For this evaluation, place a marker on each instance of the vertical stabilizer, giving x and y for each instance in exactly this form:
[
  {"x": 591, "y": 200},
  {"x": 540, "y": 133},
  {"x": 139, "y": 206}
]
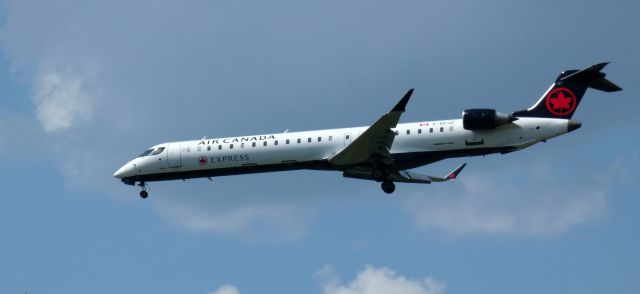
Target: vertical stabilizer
[{"x": 564, "y": 95}]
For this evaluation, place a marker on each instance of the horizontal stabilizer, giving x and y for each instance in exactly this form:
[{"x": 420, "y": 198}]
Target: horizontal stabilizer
[
  {"x": 593, "y": 78},
  {"x": 605, "y": 85}
]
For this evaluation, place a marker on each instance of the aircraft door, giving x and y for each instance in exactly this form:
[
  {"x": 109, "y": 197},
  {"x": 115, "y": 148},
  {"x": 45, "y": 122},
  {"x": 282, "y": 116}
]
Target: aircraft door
[
  {"x": 174, "y": 156},
  {"x": 347, "y": 139}
]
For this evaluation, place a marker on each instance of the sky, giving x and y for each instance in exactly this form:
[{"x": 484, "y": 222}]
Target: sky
[{"x": 85, "y": 86}]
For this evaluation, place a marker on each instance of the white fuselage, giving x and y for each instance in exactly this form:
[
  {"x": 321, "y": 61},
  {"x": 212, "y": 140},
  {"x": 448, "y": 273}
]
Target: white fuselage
[{"x": 296, "y": 150}]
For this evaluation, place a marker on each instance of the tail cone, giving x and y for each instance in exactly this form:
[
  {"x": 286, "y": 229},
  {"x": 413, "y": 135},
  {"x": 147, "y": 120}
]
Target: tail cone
[{"x": 573, "y": 125}]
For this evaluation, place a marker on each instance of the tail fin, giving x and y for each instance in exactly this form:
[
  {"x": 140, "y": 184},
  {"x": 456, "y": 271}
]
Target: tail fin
[{"x": 564, "y": 95}]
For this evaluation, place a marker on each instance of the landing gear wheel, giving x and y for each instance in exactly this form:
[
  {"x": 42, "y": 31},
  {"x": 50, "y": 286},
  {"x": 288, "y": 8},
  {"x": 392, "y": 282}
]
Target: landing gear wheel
[
  {"x": 377, "y": 174},
  {"x": 388, "y": 187},
  {"x": 143, "y": 193}
]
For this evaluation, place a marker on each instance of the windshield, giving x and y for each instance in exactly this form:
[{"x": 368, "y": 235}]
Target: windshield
[
  {"x": 146, "y": 153},
  {"x": 152, "y": 151},
  {"x": 157, "y": 151}
]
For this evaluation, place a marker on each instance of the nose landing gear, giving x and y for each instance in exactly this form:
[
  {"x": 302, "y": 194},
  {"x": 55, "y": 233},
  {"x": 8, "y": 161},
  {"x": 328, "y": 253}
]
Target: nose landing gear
[
  {"x": 143, "y": 194},
  {"x": 388, "y": 186}
]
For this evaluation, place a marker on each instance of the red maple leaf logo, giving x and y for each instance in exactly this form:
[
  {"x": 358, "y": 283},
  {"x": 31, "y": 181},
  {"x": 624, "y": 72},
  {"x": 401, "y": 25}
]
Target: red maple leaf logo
[
  {"x": 202, "y": 160},
  {"x": 560, "y": 101}
]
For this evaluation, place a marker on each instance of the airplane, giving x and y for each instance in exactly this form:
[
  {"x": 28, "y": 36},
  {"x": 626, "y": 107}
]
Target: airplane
[{"x": 383, "y": 152}]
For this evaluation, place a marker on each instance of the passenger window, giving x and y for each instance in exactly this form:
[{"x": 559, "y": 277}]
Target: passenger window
[
  {"x": 430, "y": 130},
  {"x": 319, "y": 139},
  {"x": 347, "y": 137},
  {"x": 199, "y": 148},
  {"x": 396, "y": 132},
  {"x": 253, "y": 144},
  {"x": 451, "y": 128},
  {"x": 309, "y": 140},
  {"x": 275, "y": 142},
  {"x": 219, "y": 147},
  {"x": 230, "y": 146},
  {"x": 146, "y": 153},
  {"x": 208, "y": 148},
  {"x": 299, "y": 140},
  {"x": 408, "y": 132},
  {"x": 264, "y": 143},
  {"x": 241, "y": 145},
  {"x": 287, "y": 142},
  {"x": 157, "y": 151},
  {"x": 330, "y": 138},
  {"x": 441, "y": 129},
  {"x": 419, "y": 131}
]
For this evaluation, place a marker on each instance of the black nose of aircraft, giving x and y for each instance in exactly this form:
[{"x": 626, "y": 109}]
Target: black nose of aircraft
[{"x": 573, "y": 125}]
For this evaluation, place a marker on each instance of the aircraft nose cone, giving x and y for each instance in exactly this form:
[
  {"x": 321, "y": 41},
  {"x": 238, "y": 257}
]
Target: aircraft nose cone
[
  {"x": 123, "y": 172},
  {"x": 573, "y": 125}
]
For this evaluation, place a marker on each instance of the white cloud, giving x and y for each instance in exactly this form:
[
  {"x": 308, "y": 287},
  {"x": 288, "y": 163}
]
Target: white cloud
[
  {"x": 381, "y": 280},
  {"x": 226, "y": 289},
  {"x": 541, "y": 202},
  {"x": 61, "y": 100}
]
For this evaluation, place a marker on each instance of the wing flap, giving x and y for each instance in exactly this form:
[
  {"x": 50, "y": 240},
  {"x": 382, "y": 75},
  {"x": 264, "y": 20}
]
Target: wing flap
[{"x": 404, "y": 176}]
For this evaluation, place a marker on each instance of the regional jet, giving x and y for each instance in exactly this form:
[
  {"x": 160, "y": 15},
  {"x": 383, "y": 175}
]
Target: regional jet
[{"x": 383, "y": 152}]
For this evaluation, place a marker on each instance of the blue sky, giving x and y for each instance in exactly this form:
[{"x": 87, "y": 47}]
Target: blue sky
[{"x": 87, "y": 85}]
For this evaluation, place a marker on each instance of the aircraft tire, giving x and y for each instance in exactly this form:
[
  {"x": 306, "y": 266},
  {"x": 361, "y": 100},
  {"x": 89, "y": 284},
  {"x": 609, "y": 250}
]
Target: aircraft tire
[
  {"x": 388, "y": 187},
  {"x": 144, "y": 194}
]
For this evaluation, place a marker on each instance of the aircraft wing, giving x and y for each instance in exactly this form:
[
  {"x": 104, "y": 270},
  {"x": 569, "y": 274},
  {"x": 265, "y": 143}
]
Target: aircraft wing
[
  {"x": 404, "y": 176},
  {"x": 375, "y": 141}
]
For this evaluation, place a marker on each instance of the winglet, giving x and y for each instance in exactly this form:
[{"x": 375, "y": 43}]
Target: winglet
[
  {"x": 451, "y": 176},
  {"x": 454, "y": 174},
  {"x": 403, "y": 102}
]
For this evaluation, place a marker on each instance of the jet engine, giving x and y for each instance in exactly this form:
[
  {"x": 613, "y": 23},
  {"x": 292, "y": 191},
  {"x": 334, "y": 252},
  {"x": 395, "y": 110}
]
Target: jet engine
[{"x": 484, "y": 119}]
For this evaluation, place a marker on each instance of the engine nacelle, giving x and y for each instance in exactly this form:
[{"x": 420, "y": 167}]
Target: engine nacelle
[{"x": 484, "y": 119}]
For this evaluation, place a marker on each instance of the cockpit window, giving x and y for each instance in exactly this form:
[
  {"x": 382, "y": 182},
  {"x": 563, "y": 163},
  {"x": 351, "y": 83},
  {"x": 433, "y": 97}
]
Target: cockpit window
[
  {"x": 157, "y": 151},
  {"x": 146, "y": 153}
]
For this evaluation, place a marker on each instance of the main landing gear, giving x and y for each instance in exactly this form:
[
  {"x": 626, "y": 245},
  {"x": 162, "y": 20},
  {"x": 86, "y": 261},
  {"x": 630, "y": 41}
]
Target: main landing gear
[
  {"x": 381, "y": 174},
  {"x": 377, "y": 174},
  {"x": 143, "y": 194},
  {"x": 388, "y": 186}
]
